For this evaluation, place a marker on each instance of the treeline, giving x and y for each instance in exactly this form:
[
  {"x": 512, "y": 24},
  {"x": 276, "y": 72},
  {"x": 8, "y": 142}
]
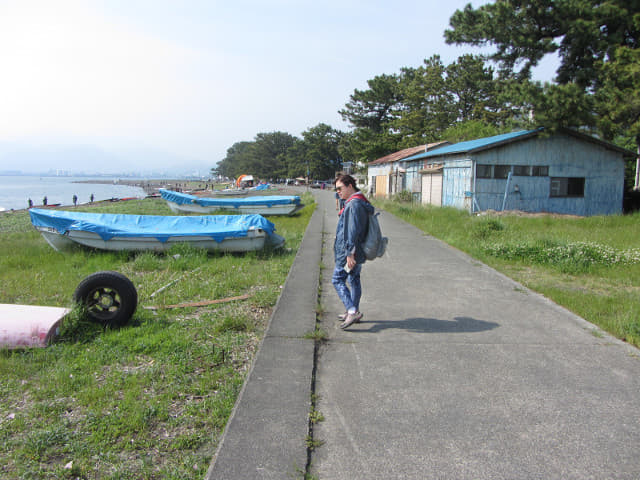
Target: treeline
[
  {"x": 596, "y": 90},
  {"x": 278, "y": 155}
]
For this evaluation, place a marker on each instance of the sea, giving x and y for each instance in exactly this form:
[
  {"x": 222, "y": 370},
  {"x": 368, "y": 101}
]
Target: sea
[{"x": 15, "y": 191}]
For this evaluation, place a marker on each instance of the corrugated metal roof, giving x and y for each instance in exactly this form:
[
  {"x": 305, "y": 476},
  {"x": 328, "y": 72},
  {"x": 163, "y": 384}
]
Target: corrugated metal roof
[
  {"x": 399, "y": 155},
  {"x": 476, "y": 145},
  {"x": 407, "y": 152}
]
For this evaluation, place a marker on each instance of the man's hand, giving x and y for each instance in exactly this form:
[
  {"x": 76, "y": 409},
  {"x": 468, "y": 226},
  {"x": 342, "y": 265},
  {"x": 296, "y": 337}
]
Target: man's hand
[{"x": 351, "y": 261}]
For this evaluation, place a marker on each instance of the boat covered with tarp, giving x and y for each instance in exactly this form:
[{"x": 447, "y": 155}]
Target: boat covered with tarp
[
  {"x": 241, "y": 191},
  {"x": 107, "y": 231},
  {"x": 262, "y": 204}
]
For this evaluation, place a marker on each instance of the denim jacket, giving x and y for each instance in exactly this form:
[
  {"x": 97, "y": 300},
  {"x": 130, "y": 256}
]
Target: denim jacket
[{"x": 352, "y": 229}]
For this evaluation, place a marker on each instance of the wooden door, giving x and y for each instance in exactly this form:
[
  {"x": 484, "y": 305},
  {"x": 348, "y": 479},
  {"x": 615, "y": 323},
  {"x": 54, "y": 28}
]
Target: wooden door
[
  {"x": 382, "y": 186},
  {"x": 432, "y": 188}
]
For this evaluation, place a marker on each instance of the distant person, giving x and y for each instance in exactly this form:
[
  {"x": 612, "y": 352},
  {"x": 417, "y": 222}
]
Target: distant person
[
  {"x": 351, "y": 231},
  {"x": 30, "y": 203},
  {"x": 44, "y": 201},
  {"x": 91, "y": 198},
  {"x": 339, "y": 200},
  {"x": 75, "y": 199}
]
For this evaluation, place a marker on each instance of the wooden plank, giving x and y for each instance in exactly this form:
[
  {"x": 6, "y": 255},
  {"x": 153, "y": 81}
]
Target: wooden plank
[{"x": 198, "y": 304}]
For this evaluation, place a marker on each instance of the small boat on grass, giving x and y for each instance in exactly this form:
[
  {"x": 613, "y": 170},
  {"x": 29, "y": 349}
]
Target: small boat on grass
[
  {"x": 262, "y": 205},
  {"x": 229, "y": 192},
  {"x": 105, "y": 231},
  {"x": 239, "y": 192}
]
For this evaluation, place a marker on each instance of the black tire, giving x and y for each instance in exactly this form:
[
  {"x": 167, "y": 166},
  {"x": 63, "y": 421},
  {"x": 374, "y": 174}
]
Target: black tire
[{"x": 109, "y": 297}]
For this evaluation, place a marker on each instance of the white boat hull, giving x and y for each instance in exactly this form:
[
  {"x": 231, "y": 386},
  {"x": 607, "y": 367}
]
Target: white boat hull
[
  {"x": 264, "y": 210},
  {"x": 238, "y": 193},
  {"x": 255, "y": 240}
]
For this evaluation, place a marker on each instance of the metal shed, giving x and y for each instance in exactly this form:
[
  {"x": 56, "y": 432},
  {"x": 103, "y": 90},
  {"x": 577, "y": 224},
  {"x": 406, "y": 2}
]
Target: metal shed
[
  {"x": 567, "y": 172},
  {"x": 392, "y": 173}
]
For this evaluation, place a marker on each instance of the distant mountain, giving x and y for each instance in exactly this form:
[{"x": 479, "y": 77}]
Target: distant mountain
[{"x": 16, "y": 158}]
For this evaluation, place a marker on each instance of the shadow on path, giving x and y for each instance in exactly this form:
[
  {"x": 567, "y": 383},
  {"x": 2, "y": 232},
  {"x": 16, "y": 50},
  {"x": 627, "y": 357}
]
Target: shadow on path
[{"x": 428, "y": 325}]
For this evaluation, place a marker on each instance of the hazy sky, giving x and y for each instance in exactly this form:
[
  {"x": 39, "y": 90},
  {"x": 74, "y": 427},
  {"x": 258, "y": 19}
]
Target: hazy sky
[{"x": 135, "y": 84}]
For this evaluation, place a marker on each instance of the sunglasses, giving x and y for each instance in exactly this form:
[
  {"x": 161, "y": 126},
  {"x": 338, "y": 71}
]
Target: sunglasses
[{"x": 339, "y": 188}]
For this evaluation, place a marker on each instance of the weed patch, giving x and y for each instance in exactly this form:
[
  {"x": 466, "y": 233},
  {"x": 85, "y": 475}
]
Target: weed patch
[
  {"x": 573, "y": 257},
  {"x": 318, "y": 335},
  {"x": 484, "y": 228}
]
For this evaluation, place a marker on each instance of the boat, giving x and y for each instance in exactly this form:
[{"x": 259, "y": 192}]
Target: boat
[
  {"x": 105, "y": 231},
  {"x": 241, "y": 191},
  {"x": 230, "y": 191},
  {"x": 263, "y": 205}
]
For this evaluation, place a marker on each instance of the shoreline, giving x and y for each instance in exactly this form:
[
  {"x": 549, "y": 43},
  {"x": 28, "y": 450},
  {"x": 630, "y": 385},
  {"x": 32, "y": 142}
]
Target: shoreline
[{"x": 152, "y": 187}]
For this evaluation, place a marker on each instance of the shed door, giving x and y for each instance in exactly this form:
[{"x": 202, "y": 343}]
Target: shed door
[
  {"x": 436, "y": 189},
  {"x": 426, "y": 188},
  {"x": 381, "y": 186},
  {"x": 432, "y": 188}
]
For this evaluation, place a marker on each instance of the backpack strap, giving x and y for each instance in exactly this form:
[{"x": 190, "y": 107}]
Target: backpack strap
[{"x": 357, "y": 195}]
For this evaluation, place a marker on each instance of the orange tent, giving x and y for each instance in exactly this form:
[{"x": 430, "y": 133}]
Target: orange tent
[{"x": 243, "y": 178}]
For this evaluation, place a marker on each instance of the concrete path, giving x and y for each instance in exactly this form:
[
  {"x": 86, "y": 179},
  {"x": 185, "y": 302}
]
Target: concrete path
[{"x": 456, "y": 372}]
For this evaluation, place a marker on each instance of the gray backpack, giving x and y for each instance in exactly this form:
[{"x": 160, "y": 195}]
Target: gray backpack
[{"x": 374, "y": 244}]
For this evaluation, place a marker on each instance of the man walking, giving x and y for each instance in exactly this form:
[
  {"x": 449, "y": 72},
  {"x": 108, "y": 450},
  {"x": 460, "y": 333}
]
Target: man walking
[{"x": 347, "y": 249}]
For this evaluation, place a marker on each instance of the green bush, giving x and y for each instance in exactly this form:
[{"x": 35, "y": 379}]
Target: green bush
[
  {"x": 482, "y": 229},
  {"x": 403, "y": 196}
]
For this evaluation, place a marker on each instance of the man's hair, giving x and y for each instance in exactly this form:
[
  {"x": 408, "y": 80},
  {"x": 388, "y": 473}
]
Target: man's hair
[{"x": 347, "y": 180}]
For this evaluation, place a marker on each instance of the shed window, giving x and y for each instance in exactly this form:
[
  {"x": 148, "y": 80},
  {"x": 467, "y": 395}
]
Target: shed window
[
  {"x": 567, "y": 187},
  {"x": 501, "y": 171},
  {"x": 540, "y": 171},
  {"x": 522, "y": 170},
  {"x": 483, "y": 171}
]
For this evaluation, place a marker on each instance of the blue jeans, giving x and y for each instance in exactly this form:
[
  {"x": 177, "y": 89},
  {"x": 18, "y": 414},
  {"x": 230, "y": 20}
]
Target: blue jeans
[{"x": 350, "y": 298}]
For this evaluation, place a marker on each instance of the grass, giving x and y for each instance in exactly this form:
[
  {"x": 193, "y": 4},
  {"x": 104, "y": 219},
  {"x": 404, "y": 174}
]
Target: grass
[
  {"x": 148, "y": 400},
  {"x": 589, "y": 265},
  {"x": 317, "y": 335}
]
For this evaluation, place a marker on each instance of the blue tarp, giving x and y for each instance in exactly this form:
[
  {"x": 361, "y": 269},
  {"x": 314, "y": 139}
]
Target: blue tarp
[
  {"x": 109, "y": 225},
  {"x": 185, "y": 199}
]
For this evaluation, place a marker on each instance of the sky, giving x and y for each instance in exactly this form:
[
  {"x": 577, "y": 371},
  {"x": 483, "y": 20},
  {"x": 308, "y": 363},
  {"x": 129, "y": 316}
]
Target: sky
[{"x": 139, "y": 85}]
